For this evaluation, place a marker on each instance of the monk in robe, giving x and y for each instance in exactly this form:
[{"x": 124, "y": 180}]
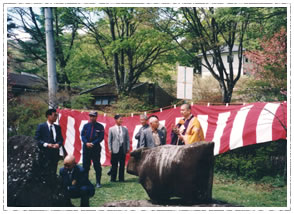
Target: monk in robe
[{"x": 188, "y": 130}]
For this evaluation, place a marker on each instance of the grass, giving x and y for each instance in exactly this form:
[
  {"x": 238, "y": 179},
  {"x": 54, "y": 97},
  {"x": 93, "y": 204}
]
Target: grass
[
  {"x": 131, "y": 189},
  {"x": 231, "y": 190},
  {"x": 248, "y": 193}
]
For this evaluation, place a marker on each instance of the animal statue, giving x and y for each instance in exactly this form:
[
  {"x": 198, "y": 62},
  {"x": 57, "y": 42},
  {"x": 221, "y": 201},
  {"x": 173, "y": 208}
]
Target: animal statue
[{"x": 175, "y": 171}]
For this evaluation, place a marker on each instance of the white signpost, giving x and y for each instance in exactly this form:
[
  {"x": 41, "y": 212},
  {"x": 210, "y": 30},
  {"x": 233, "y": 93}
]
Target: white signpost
[{"x": 185, "y": 82}]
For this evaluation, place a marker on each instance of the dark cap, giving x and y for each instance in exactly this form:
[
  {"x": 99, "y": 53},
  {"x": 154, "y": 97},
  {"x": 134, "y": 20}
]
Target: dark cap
[
  {"x": 116, "y": 116},
  {"x": 93, "y": 113}
]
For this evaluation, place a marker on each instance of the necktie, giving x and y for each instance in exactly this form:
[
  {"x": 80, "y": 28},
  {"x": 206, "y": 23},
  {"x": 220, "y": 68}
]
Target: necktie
[
  {"x": 70, "y": 176},
  {"x": 120, "y": 134},
  {"x": 91, "y": 132},
  {"x": 51, "y": 133}
]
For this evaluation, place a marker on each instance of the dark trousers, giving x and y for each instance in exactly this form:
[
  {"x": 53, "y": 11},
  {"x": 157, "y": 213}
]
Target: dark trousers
[
  {"x": 94, "y": 155},
  {"x": 83, "y": 192},
  {"x": 49, "y": 160},
  {"x": 120, "y": 158}
]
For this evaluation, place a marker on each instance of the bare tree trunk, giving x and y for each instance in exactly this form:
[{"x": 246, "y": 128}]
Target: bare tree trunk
[{"x": 51, "y": 61}]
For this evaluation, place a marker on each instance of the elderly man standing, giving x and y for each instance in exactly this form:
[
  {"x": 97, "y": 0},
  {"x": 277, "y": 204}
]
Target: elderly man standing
[
  {"x": 145, "y": 125},
  {"x": 119, "y": 145},
  {"x": 188, "y": 130},
  {"x": 75, "y": 181},
  {"x": 152, "y": 136},
  {"x": 92, "y": 135},
  {"x": 161, "y": 127}
]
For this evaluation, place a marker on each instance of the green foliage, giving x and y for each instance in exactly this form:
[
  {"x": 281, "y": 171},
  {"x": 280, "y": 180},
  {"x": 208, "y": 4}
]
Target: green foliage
[
  {"x": 260, "y": 90},
  {"x": 31, "y": 51},
  {"x": 82, "y": 101},
  {"x": 255, "y": 161},
  {"x": 86, "y": 68},
  {"x": 128, "y": 44},
  {"x": 128, "y": 104},
  {"x": 265, "y": 23},
  {"x": 24, "y": 115},
  {"x": 142, "y": 41}
]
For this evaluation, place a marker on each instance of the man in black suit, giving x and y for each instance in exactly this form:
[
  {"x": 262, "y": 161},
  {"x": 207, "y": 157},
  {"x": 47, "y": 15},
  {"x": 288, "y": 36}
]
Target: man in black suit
[
  {"x": 75, "y": 181},
  {"x": 49, "y": 139},
  {"x": 145, "y": 125}
]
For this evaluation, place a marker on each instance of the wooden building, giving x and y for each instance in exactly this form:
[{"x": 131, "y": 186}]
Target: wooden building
[{"x": 106, "y": 94}]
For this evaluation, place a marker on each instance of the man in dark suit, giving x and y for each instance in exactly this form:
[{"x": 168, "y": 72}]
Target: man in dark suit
[
  {"x": 145, "y": 125},
  {"x": 75, "y": 181},
  {"x": 49, "y": 139},
  {"x": 92, "y": 135},
  {"x": 119, "y": 145},
  {"x": 152, "y": 136},
  {"x": 161, "y": 128}
]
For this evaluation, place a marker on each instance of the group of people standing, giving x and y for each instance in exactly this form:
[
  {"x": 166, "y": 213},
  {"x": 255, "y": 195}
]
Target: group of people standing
[{"x": 76, "y": 178}]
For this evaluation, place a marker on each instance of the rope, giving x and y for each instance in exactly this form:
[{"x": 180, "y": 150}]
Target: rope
[{"x": 156, "y": 110}]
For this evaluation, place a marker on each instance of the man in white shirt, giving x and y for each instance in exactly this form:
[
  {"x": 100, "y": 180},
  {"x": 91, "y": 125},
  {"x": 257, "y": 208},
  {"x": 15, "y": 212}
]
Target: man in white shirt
[
  {"x": 119, "y": 145},
  {"x": 152, "y": 136},
  {"x": 49, "y": 139}
]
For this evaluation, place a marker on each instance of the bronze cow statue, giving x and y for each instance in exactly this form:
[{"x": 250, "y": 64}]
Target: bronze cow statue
[{"x": 175, "y": 171}]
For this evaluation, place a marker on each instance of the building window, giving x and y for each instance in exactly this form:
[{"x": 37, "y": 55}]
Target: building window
[
  {"x": 98, "y": 102},
  {"x": 230, "y": 58},
  {"x": 103, "y": 101}
]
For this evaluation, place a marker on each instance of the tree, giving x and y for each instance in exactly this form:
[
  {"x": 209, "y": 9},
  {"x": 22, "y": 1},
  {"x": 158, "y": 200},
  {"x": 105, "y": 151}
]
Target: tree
[
  {"x": 264, "y": 24},
  {"x": 86, "y": 68},
  {"x": 210, "y": 29},
  {"x": 128, "y": 45},
  {"x": 32, "y": 50},
  {"x": 270, "y": 63}
]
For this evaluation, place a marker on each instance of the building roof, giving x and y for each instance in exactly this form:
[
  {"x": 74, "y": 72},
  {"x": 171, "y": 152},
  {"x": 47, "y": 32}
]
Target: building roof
[
  {"x": 25, "y": 80},
  {"x": 107, "y": 89},
  {"x": 224, "y": 49},
  {"x": 92, "y": 89}
]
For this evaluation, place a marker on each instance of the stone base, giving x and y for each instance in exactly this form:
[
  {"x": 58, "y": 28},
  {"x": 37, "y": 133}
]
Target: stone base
[
  {"x": 27, "y": 185},
  {"x": 170, "y": 203}
]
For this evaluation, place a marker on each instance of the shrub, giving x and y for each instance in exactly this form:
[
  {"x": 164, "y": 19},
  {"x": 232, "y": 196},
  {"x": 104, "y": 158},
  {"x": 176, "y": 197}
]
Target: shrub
[
  {"x": 206, "y": 89},
  {"x": 82, "y": 101},
  {"x": 128, "y": 104},
  {"x": 23, "y": 116},
  {"x": 255, "y": 161}
]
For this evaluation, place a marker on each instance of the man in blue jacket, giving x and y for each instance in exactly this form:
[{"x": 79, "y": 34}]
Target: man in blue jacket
[
  {"x": 75, "y": 181},
  {"x": 49, "y": 139},
  {"x": 92, "y": 135}
]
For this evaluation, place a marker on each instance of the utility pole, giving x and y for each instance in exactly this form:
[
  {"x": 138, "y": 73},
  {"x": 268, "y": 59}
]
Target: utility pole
[{"x": 51, "y": 61}]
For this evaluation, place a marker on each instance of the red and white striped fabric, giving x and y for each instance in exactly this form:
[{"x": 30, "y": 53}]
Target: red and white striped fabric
[{"x": 229, "y": 127}]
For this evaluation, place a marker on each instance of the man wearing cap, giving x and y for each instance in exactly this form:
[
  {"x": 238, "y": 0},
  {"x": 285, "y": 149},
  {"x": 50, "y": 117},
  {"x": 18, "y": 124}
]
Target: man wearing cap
[
  {"x": 49, "y": 139},
  {"x": 92, "y": 135},
  {"x": 119, "y": 145},
  {"x": 145, "y": 125}
]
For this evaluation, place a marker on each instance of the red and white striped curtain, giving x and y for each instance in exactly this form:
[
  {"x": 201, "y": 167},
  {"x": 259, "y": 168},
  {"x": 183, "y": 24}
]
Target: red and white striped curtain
[{"x": 229, "y": 127}]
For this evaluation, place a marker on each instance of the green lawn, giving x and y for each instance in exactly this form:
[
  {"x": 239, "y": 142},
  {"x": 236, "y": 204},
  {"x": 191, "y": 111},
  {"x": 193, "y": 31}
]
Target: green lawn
[
  {"x": 114, "y": 191},
  {"x": 234, "y": 191},
  {"x": 248, "y": 194}
]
